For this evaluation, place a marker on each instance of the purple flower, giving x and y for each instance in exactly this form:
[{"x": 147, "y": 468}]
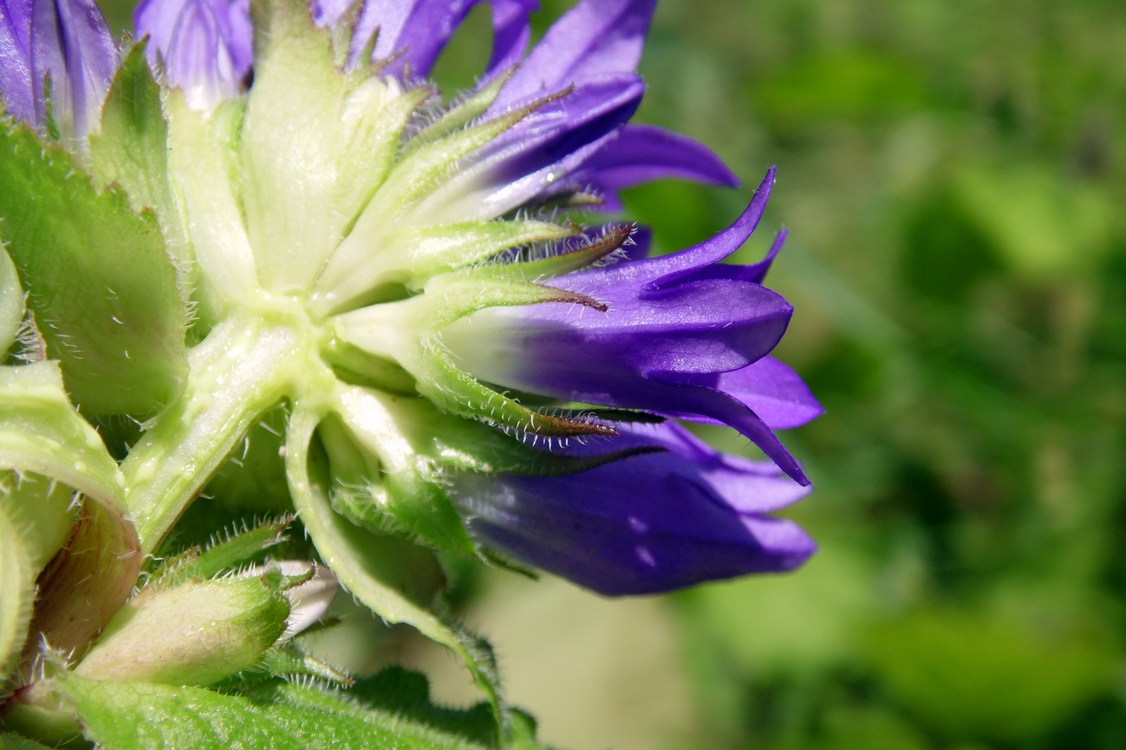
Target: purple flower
[
  {"x": 65, "y": 43},
  {"x": 203, "y": 46},
  {"x": 681, "y": 336},
  {"x": 412, "y": 33},
  {"x": 645, "y": 524},
  {"x": 580, "y": 143}
]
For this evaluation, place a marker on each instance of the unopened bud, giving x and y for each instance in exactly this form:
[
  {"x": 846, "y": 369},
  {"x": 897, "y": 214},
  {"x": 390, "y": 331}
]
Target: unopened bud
[{"x": 194, "y": 634}]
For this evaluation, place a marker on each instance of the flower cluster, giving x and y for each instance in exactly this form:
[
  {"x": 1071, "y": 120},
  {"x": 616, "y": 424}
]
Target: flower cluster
[{"x": 474, "y": 359}]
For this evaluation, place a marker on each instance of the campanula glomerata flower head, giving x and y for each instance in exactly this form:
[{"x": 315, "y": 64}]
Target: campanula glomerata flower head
[{"x": 474, "y": 357}]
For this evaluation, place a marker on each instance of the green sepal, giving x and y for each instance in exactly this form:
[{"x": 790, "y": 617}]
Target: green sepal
[
  {"x": 289, "y": 662},
  {"x": 11, "y": 302},
  {"x": 422, "y": 170},
  {"x": 455, "y": 295},
  {"x": 461, "y": 114},
  {"x": 376, "y": 114},
  {"x": 554, "y": 265},
  {"x": 290, "y": 147},
  {"x": 205, "y": 173},
  {"x": 354, "y": 366},
  {"x": 455, "y": 391},
  {"x": 225, "y": 553},
  {"x": 385, "y": 448},
  {"x": 130, "y": 148},
  {"x": 101, "y": 285},
  {"x": 356, "y": 558},
  {"x": 412, "y": 255},
  {"x": 278, "y": 716},
  {"x": 197, "y": 633}
]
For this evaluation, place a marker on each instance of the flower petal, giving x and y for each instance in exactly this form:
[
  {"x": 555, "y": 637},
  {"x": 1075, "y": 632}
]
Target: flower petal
[
  {"x": 16, "y": 89},
  {"x": 534, "y": 158},
  {"x": 645, "y": 524},
  {"x": 203, "y": 46},
  {"x": 510, "y": 33},
  {"x": 71, "y": 45},
  {"x": 769, "y": 388},
  {"x": 641, "y": 153},
  {"x": 411, "y": 34},
  {"x": 594, "y": 37}
]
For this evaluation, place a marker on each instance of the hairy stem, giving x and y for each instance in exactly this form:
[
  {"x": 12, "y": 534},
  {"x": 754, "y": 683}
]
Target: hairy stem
[{"x": 242, "y": 368}]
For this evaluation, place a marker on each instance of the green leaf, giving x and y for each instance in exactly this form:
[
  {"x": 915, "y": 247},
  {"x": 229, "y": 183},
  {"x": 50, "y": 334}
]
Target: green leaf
[
  {"x": 9, "y": 741},
  {"x": 974, "y": 674},
  {"x": 11, "y": 302},
  {"x": 100, "y": 283},
  {"x": 40, "y": 432},
  {"x": 131, "y": 148},
  {"x": 17, "y": 592},
  {"x": 47, "y": 451},
  {"x": 120, "y": 716},
  {"x": 355, "y": 557}
]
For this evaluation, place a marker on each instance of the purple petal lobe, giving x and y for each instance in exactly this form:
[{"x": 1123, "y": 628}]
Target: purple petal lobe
[
  {"x": 680, "y": 336},
  {"x": 767, "y": 387},
  {"x": 645, "y": 524},
  {"x": 641, "y": 153},
  {"x": 70, "y": 45},
  {"x": 594, "y": 37},
  {"x": 555, "y": 133},
  {"x": 413, "y": 32},
  {"x": 510, "y": 33},
  {"x": 534, "y": 159},
  {"x": 203, "y": 46},
  {"x": 699, "y": 259},
  {"x": 327, "y": 13},
  {"x": 16, "y": 90}
]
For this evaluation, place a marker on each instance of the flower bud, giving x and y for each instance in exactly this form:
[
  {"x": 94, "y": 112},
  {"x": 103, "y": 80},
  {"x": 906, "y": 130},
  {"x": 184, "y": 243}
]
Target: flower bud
[{"x": 194, "y": 634}]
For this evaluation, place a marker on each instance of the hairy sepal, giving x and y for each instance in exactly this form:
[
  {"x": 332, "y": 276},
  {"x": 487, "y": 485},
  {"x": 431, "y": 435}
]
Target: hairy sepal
[{"x": 355, "y": 556}]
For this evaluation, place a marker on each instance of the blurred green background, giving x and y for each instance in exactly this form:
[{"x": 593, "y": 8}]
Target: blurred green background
[{"x": 953, "y": 175}]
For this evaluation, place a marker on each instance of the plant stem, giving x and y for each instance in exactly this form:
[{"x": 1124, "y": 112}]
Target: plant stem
[{"x": 241, "y": 369}]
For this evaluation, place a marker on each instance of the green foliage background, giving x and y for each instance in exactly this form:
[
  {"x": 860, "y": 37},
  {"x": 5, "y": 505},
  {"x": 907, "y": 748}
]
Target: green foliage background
[{"x": 954, "y": 177}]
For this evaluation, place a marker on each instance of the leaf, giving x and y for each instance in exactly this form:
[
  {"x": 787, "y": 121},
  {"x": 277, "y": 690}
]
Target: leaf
[
  {"x": 370, "y": 577},
  {"x": 131, "y": 148},
  {"x": 41, "y": 433},
  {"x": 17, "y": 592},
  {"x": 46, "y": 452},
  {"x": 100, "y": 283},
  {"x": 119, "y": 716},
  {"x": 11, "y": 302},
  {"x": 9, "y": 741}
]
